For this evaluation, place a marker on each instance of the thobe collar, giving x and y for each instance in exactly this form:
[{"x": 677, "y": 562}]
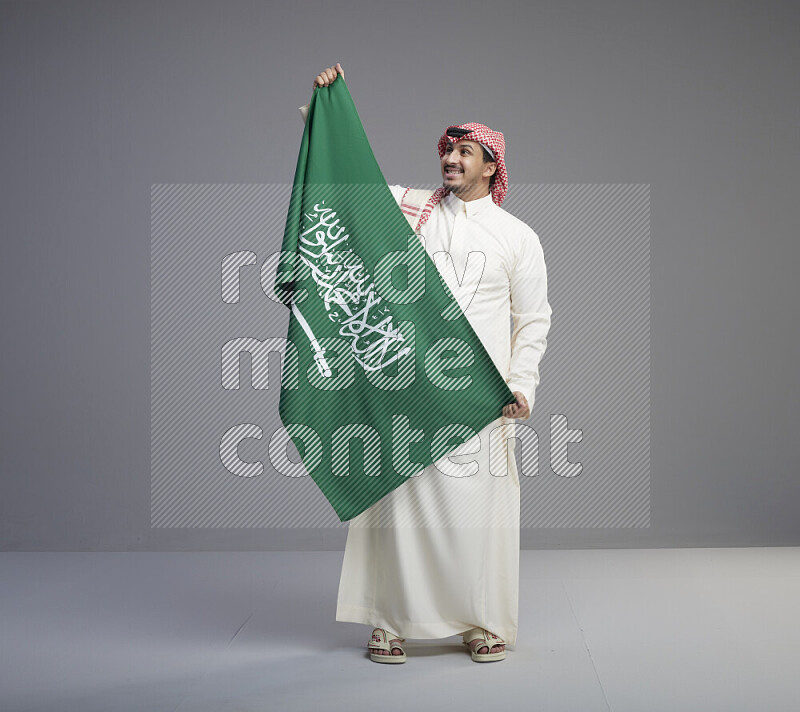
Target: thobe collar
[{"x": 470, "y": 208}]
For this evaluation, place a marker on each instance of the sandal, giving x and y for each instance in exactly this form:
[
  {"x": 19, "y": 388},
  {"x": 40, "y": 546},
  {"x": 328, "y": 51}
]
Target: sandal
[
  {"x": 381, "y": 641},
  {"x": 490, "y": 640}
]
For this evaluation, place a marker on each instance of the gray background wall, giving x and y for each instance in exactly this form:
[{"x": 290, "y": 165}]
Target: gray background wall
[{"x": 102, "y": 100}]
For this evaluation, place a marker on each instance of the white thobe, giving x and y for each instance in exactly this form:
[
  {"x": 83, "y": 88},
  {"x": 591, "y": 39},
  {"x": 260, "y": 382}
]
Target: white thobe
[{"x": 440, "y": 554}]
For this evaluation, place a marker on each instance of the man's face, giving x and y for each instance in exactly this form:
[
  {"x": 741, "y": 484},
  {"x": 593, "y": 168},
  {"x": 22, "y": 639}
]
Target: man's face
[{"x": 463, "y": 169}]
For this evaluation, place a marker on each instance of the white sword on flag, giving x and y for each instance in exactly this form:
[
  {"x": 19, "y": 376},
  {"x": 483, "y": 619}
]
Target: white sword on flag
[{"x": 319, "y": 355}]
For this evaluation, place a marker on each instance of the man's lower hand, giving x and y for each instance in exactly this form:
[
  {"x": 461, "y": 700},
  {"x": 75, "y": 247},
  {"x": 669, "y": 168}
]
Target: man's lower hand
[{"x": 519, "y": 409}]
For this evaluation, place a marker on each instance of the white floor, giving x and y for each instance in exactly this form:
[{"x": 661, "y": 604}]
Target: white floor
[{"x": 639, "y": 630}]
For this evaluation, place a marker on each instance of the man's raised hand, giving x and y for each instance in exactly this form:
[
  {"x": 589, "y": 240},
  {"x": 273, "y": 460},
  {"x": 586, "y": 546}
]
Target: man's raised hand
[
  {"x": 326, "y": 76},
  {"x": 519, "y": 409}
]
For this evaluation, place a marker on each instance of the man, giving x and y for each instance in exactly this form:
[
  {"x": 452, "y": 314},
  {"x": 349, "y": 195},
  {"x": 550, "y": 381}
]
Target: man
[{"x": 439, "y": 555}]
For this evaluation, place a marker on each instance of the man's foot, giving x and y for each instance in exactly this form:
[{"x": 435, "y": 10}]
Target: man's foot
[
  {"x": 485, "y": 645},
  {"x": 385, "y": 638},
  {"x": 395, "y": 650},
  {"x": 479, "y": 646}
]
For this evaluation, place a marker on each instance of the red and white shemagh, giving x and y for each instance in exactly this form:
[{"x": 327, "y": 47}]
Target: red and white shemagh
[{"x": 482, "y": 134}]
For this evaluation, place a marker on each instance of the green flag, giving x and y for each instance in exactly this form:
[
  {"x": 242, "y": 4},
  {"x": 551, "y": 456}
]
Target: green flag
[{"x": 383, "y": 374}]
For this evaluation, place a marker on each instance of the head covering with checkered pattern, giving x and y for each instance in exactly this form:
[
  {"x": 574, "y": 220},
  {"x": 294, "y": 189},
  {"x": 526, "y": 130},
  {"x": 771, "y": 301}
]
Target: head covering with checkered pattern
[{"x": 495, "y": 141}]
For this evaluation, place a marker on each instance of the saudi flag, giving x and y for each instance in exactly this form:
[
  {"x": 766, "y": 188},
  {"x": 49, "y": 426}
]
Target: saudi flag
[{"x": 383, "y": 374}]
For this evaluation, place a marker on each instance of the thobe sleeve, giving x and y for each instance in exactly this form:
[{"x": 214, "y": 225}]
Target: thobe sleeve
[
  {"x": 398, "y": 191},
  {"x": 530, "y": 312},
  {"x": 304, "y": 111}
]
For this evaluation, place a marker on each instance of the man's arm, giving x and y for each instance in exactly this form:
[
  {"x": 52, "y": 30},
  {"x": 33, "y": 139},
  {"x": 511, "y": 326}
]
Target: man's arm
[{"x": 530, "y": 312}]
